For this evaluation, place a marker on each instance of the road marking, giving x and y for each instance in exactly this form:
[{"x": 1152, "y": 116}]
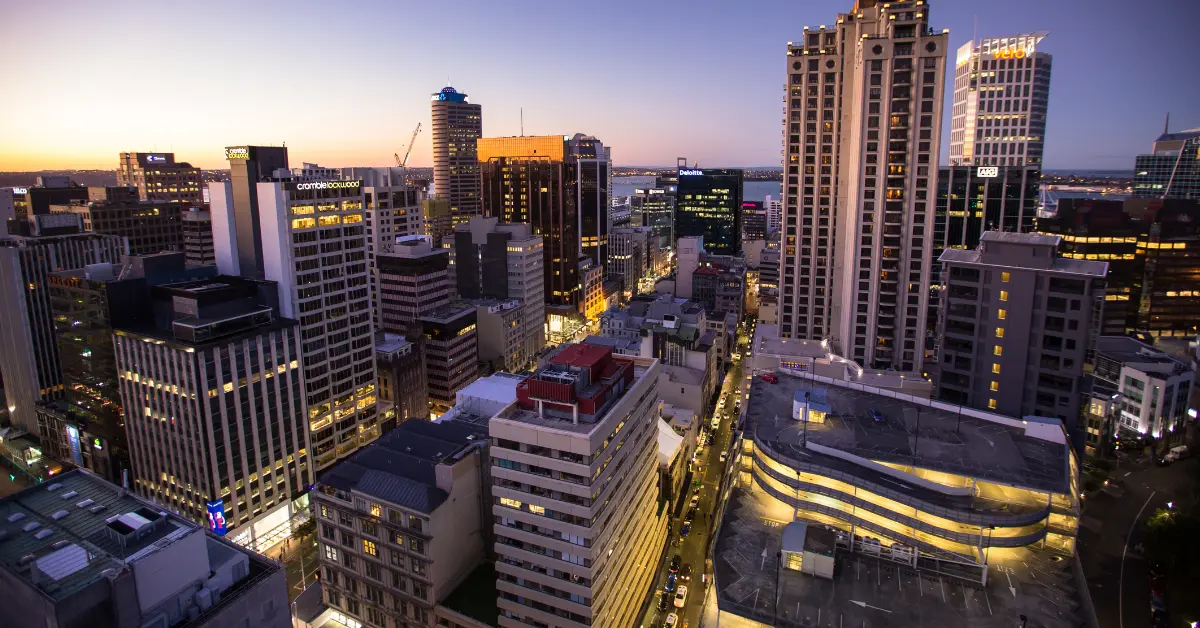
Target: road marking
[
  {"x": 989, "y": 601},
  {"x": 1127, "y": 474},
  {"x": 1121, "y": 577},
  {"x": 943, "y": 582},
  {"x": 865, "y": 605},
  {"x": 1011, "y": 588}
]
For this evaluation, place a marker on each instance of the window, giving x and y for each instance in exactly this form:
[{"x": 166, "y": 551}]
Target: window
[
  {"x": 1004, "y": 295},
  {"x": 331, "y": 553},
  {"x": 1001, "y": 314},
  {"x": 991, "y": 404},
  {"x": 995, "y": 385},
  {"x": 1004, "y": 276},
  {"x": 999, "y": 332},
  {"x": 369, "y": 547},
  {"x": 997, "y": 350},
  {"x": 376, "y": 510},
  {"x": 996, "y": 368}
]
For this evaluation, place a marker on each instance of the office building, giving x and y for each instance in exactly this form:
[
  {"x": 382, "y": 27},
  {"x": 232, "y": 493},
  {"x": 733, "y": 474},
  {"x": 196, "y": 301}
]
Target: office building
[
  {"x": 1148, "y": 389},
  {"x": 393, "y": 209},
  {"x": 629, "y": 256},
  {"x": 557, "y": 185},
  {"x": 457, "y": 126},
  {"x": 310, "y": 238},
  {"x": 863, "y": 124},
  {"x": 492, "y": 260},
  {"x": 500, "y": 334},
  {"x": 451, "y": 353},
  {"x": 592, "y": 301},
  {"x": 719, "y": 284},
  {"x": 83, "y": 552},
  {"x": 158, "y": 177},
  {"x": 241, "y": 446},
  {"x": 41, "y": 244},
  {"x": 654, "y": 208},
  {"x": 903, "y": 497},
  {"x": 401, "y": 366},
  {"x": 1172, "y": 169},
  {"x": 235, "y": 210},
  {"x": 400, "y": 524},
  {"x": 198, "y": 237},
  {"x": 1152, "y": 247},
  {"x": 774, "y": 209},
  {"x": 150, "y": 226},
  {"x": 411, "y": 281},
  {"x": 575, "y": 467},
  {"x": 1017, "y": 326},
  {"x": 1001, "y": 92},
  {"x": 754, "y": 221},
  {"x": 768, "y": 284},
  {"x": 709, "y": 205},
  {"x": 51, "y": 190},
  {"x": 87, "y": 426}
]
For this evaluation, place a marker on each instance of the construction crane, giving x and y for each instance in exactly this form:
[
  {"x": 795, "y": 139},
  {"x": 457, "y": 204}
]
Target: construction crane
[{"x": 402, "y": 163}]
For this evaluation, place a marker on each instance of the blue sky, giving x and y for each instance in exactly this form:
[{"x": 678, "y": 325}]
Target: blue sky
[{"x": 344, "y": 83}]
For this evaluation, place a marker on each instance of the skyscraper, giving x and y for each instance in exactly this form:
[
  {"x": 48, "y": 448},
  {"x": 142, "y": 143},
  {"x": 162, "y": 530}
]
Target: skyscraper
[
  {"x": 863, "y": 120},
  {"x": 29, "y": 353},
  {"x": 158, "y": 177},
  {"x": 309, "y": 237},
  {"x": 593, "y": 187},
  {"x": 1001, "y": 92},
  {"x": 457, "y": 126},
  {"x": 754, "y": 221},
  {"x": 709, "y": 205},
  {"x": 654, "y": 208},
  {"x": 1172, "y": 169},
  {"x": 411, "y": 281}
]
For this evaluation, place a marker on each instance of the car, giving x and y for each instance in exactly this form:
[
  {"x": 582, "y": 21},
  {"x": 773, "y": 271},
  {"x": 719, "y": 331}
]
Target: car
[
  {"x": 672, "y": 620},
  {"x": 675, "y": 564},
  {"x": 680, "y": 597},
  {"x": 695, "y": 498},
  {"x": 685, "y": 574},
  {"x": 1162, "y": 461},
  {"x": 1157, "y": 616},
  {"x": 664, "y": 600},
  {"x": 724, "y": 456},
  {"x": 687, "y": 527},
  {"x": 876, "y": 415},
  {"x": 691, "y": 514},
  {"x": 769, "y": 378},
  {"x": 672, "y": 580}
]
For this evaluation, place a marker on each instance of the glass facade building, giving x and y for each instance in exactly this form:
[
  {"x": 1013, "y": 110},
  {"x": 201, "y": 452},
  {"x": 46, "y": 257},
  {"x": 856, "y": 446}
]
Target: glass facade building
[
  {"x": 710, "y": 206},
  {"x": 1172, "y": 170}
]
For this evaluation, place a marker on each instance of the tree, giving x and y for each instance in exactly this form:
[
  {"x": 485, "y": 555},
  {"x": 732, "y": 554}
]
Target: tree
[{"x": 1170, "y": 534}]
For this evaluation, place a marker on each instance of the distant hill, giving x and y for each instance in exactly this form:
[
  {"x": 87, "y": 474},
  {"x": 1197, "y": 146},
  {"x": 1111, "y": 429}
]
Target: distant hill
[{"x": 83, "y": 177}]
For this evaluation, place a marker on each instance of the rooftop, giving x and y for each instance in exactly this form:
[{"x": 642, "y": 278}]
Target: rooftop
[
  {"x": 400, "y": 467},
  {"x": 1039, "y": 239},
  {"x": 1061, "y": 264},
  {"x": 476, "y": 596},
  {"x": 1130, "y": 351},
  {"x": 1030, "y": 453},
  {"x": 63, "y": 534}
]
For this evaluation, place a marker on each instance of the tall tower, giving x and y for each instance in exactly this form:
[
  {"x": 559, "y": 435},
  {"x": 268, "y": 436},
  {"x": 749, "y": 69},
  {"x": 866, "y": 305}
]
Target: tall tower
[
  {"x": 457, "y": 126},
  {"x": 1001, "y": 90},
  {"x": 863, "y": 120}
]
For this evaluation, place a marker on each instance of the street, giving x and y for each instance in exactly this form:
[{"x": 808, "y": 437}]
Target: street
[
  {"x": 693, "y": 549},
  {"x": 297, "y": 553},
  {"x": 1109, "y": 535}
]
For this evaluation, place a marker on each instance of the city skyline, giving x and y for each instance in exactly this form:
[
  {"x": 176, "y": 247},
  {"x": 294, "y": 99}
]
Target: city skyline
[{"x": 187, "y": 95}]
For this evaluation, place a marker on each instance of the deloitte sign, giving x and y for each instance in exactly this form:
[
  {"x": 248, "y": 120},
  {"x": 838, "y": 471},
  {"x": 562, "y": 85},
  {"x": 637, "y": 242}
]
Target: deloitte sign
[{"x": 327, "y": 185}]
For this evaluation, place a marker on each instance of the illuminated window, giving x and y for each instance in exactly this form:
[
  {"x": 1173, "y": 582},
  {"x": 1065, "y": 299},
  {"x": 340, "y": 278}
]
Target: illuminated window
[
  {"x": 511, "y": 503},
  {"x": 1001, "y": 314},
  {"x": 999, "y": 332},
  {"x": 228, "y": 387},
  {"x": 369, "y": 547},
  {"x": 998, "y": 350},
  {"x": 331, "y": 553},
  {"x": 303, "y": 223},
  {"x": 537, "y": 510},
  {"x": 376, "y": 510},
  {"x": 991, "y": 404},
  {"x": 995, "y": 386},
  {"x": 1004, "y": 295}
]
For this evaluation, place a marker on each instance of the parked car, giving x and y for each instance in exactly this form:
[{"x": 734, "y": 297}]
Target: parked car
[
  {"x": 664, "y": 600},
  {"x": 686, "y": 573},
  {"x": 680, "y": 597},
  {"x": 672, "y": 620},
  {"x": 672, "y": 579},
  {"x": 724, "y": 456},
  {"x": 687, "y": 527},
  {"x": 769, "y": 378},
  {"x": 876, "y": 415},
  {"x": 675, "y": 564}
]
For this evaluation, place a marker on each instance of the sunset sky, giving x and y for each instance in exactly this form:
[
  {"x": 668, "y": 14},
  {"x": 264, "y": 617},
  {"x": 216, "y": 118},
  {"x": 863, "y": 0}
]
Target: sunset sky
[{"x": 344, "y": 83}]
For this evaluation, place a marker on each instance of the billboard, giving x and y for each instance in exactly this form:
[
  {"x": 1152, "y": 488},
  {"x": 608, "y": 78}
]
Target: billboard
[{"x": 216, "y": 517}]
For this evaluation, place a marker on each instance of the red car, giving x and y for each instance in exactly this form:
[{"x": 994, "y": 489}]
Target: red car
[{"x": 769, "y": 378}]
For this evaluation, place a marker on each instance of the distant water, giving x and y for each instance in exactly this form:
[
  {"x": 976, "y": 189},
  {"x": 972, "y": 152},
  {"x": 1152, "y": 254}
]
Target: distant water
[{"x": 751, "y": 190}]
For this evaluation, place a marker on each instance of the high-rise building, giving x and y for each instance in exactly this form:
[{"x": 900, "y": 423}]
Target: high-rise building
[
  {"x": 629, "y": 256},
  {"x": 499, "y": 327},
  {"x": 87, "y": 426},
  {"x": 457, "y": 126},
  {"x": 241, "y": 447},
  {"x": 53, "y": 190},
  {"x": 393, "y": 210},
  {"x": 592, "y": 484},
  {"x": 774, "y": 209},
  {"x": 150, "y": 226},
  {"x": 401, "y": 366},
  {"x": 158, "y": 177},
  {"x": 93, "y": 554},
  {"x": 559, "y": 186},
  {"x": 1017, "y": 326},
  {"x": 29, "y": 354},
  {"x": 198, "y": 237},
  {"x": 311, "y": 240},
  {"x": 1152, "y": 247},
  {"x": 1001, "y": 92},
  {"x": 451, "y": 353},
  {"x": 503, "y": 262},
  {"x": 235, "y": 211},
  {"x": 863, "y": 123},
  {"x": 754, "y": 221},
  {"x": 411, "y": 281},
  {"x": 709, "y": 205},
  {"x": 591, "y": 278},
  {"x": 654, "y": 208},
  {"x": 1172, "y": 170}
]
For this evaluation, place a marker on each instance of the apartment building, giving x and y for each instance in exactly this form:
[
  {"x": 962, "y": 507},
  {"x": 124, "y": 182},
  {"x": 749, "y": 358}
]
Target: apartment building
[
  {"x": 574, "y": 473},
  {"x": 1151, "y": 390}
]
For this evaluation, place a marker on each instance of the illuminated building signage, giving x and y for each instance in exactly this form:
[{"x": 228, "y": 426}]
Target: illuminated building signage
[
  {"x": 1013, "y": 53},
  {"x": 237, "y": 152},
  {"x": 690, "y": 173},
  {"x": 73, "y": 440},
  {"x": 987, "y": 172},
  {"x": 20, "y": 190},
  {"x": 216, "y": 517},
  {"x": 157, "y": 158},
  {"x": 327, "y": 185}
]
